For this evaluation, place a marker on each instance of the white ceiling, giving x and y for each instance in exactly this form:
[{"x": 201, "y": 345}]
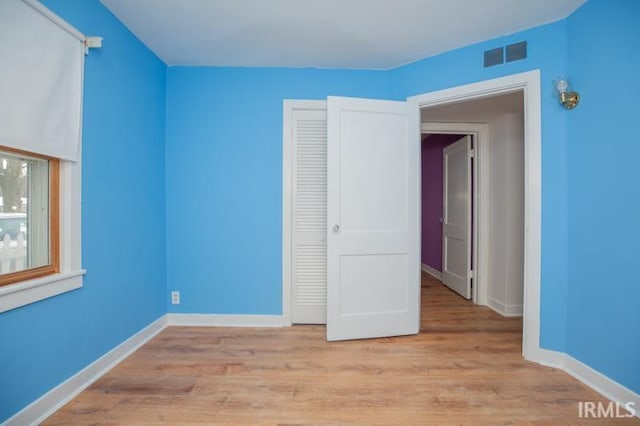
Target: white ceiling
[
  {"x": 477, "y": 110},
  {"x": 372, "y": 34}
]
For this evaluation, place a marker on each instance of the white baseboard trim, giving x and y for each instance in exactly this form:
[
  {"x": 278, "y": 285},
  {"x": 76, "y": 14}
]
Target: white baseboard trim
[
  {"x": 504, "y": 310},
  {"x": 432, "y": 271},
  {"x": 221, "y": 320},
  {"x": 50, "y": 402},
  {"x": 597, "y": 381}
]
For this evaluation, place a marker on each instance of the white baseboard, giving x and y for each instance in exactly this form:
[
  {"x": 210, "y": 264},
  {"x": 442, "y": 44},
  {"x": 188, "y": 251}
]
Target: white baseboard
[
  {"x": 218, "y": 320},
  {"x": 597, "y": 381},
  {"x": 50, "y": 402},
  {"x": 503, "y": 309},
  {"x": 432, "y": 271}
]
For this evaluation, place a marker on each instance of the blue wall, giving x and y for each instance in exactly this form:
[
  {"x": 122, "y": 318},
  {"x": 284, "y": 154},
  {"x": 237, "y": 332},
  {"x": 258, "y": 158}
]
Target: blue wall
[
  {"x": 604, "y": 190},
  {"x": 224, "y": 144},
  {"x": 224, "y": 169},
  {"x": 590, "y": 191},
  {"x": 224, "y": 179},
  {"x": 123, "y": 220}
]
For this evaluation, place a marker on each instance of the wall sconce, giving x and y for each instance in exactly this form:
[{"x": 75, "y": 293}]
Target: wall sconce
[{"x": 568, "y": 99}]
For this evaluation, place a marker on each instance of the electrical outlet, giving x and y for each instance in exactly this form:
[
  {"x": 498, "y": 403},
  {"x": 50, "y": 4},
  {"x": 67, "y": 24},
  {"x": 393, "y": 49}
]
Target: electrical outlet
[{"x": 175, "y": 297}]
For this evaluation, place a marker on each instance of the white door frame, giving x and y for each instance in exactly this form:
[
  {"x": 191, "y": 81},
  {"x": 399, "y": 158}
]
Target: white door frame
[
  {"x": 481, "y": 187},
  {"x": 288, "y": 106},
  {"x": 529, "y": 84}
]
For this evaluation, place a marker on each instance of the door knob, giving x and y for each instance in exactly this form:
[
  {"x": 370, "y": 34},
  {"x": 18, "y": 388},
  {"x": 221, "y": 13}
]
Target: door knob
[{"x": 336, "y": 228}]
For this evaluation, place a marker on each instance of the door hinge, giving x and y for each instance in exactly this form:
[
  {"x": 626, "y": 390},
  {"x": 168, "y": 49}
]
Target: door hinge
[
  {"x": 471, "y": 275},
  {"x": 472, "y": 153}
]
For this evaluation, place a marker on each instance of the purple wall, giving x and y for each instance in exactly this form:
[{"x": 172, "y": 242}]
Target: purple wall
[{"x": 432, "y": 198}]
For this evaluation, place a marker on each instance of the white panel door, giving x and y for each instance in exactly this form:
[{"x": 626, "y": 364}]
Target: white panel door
[
  {"x": 456, "y": 227},
  {"x": 373, "y": 208},
  {"x": 309, "y": 266}
]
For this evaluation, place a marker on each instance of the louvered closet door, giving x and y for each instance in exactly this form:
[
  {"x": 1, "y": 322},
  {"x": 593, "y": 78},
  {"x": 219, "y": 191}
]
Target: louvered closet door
[{"x": 309, "y": 217}]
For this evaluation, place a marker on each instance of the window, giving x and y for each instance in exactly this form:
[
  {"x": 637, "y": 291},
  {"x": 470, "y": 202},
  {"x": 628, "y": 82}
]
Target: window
[
  {"x": 40, "y": 154},
  {"x": 29, "y": 216},
  {"x": 46, "y": 282}
]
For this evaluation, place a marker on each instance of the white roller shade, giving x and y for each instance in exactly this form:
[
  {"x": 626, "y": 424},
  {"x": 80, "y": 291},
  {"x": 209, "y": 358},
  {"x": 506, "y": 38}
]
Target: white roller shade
[{"x": 41, "y": 73}]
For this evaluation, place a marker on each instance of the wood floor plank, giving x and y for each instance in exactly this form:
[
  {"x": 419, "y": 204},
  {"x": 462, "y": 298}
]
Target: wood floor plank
[{"x": 465, "y": 367}]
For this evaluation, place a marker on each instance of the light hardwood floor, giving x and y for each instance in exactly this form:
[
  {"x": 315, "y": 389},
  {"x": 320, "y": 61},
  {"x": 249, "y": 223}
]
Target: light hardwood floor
[{"x": 465, "y": 367}]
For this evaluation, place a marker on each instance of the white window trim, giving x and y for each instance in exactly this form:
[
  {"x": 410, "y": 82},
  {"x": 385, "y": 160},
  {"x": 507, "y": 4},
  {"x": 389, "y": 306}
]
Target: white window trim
[{"x": 71, "y": 273}]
